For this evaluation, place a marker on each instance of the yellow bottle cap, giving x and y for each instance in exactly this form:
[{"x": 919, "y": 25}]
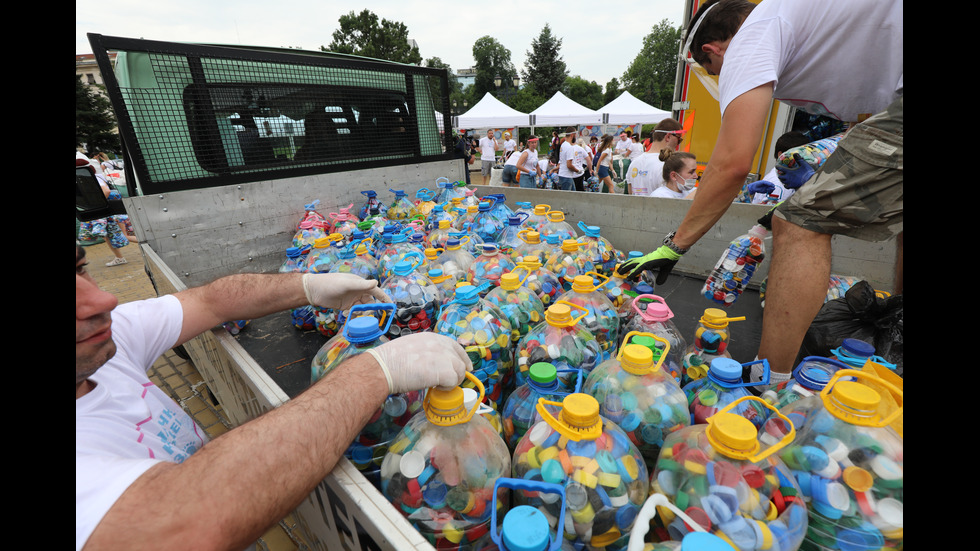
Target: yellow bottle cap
[
  {"x": 510, "y": 281},
  {"x": 321, "y": 242},
  {"x": 431, "y": 253},
  {"x": 541, "y": 209},
  {"x": 580, "y": 411},
  {"x": 582, "y": 283},
  {"x": 716, "y": 318},
  {"x": 569, "y": 245},
  {"x": 533, "y": 237},
  {"x": 531, "y": 261},
  {"x": 558, "y": 315},
  {"x": 637, "y": 359},
  {"x": 336, "y": 237},
  {"x": 732, "y": 435}
]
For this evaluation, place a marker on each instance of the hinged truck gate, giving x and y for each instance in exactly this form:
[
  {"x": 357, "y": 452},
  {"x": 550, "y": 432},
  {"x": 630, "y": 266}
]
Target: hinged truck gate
[{"x": 225, "y": 145}]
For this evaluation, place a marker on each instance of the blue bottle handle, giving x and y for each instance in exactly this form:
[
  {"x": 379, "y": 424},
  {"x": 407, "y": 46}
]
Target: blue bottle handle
[
  {"x": 425, "y": 194},
  {"x": 376, "y": 307},
  {"x": 533, "y": 486},
  {"x": 728, "y": 384}
]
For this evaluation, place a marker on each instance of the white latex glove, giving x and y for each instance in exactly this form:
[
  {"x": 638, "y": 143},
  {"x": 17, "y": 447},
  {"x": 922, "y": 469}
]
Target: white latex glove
[
  {"x": 341, "y": 291},
  {"x": 422, "y": 360}
]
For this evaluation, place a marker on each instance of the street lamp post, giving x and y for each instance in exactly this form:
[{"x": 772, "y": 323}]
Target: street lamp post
[{"x": 506, "y": 93}]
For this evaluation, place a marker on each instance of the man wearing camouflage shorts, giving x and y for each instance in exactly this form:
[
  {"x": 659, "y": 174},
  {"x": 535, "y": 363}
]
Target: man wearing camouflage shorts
[{"x": 803, "y": 54}]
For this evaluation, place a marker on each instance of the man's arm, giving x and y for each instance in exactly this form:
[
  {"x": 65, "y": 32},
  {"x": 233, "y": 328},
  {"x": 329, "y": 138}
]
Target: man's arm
[
  {"x": 738, "y": 140},
  {"x": 229, "y": 492}
]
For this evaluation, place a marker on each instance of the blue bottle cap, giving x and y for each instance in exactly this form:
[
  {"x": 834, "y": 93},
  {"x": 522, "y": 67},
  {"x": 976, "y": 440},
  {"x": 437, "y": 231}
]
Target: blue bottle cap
[
  {"x": 484, "y": 206},
  {"x": 467, "y": 294},
  {"x": 369, "y": 193},
  {"x": 435, "y": 272},
  {"x": 857, "y": 347},
  {"x": 514, "y": 220},
  {"x": 398, "y": 238},
  {"x": 452, "y": 242},
  {"x": 643, "y": 288},
  {"x": 363, "y": 329},
  {"x": 634, "y": 254},
  {"x": 523, "y": 204},
  {"x": 704, "y": 541},
  {"x": 726, "y": 369},
  {"x": 401, "y": 268}
]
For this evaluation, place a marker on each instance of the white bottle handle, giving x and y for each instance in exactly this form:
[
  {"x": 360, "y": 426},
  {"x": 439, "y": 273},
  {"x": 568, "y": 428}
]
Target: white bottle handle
[{"x": 641, "y": 525}]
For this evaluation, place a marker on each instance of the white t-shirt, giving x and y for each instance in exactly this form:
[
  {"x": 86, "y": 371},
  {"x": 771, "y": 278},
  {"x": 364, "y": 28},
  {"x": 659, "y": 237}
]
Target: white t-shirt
[
  {"x": 622, "y": 145},
  {"x": 544, "y": 165},
  {"x": 636, "y": 149},
  {"x": 819, "y": 55},
  {"x": 126, "y": 424},
  {"x": 531, "y": 162},
  {"x": 581, "y": 157},
  {"x": 509, "y": 145},
  {"x": 487, "y": 149},
  {"x": 566, "y": 152},
  {"x": 664, "y": 191},
  {"x": 645, "y": 173}
]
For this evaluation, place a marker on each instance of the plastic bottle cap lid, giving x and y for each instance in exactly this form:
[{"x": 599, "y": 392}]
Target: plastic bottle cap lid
[
  {"x": 470, "y": 396},
  {"x": 532, "y": 261},
  {"x": 892, "y": 511},
  {"x": 467, "y": 293},
  {"x": 643, "y": 288},
  {"x": 704, "y": 541},
  {"x": 435, "y": 272},
  {"x": 363, "y": 329},
  {"x": 543, "y": 372},
  {"x": 525, "y": 528},
  {"x": 580, "y": 410},
  {"x": 858, "y": 348},
  {"x": 726, "y": 368},
  {"x": 401, "y": 268},
  {"x": 583, "y": 284},
  {"x": 856, "y": 396},
  {"x": 637, "y": 359},
  {"x": 734, "y": 431},
  {"x": 569, "y": 245},
  {"x": 446, "y": 402},
  {"x": 658, "y": 311},
  {"x": 858, "y": 479},
  {"x": 557, "y": 314},
  {"x": 412, "y": 464}
]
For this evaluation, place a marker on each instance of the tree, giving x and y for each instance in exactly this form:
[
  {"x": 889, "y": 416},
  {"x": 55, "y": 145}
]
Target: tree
[
  {"x": 585, "y": 92},
  {"x": 362, "y": 35},
  {"x": 95, "y": 123},
  {"x": 544, "y": 67},
  {"x": 455, "y": 88},
  {"x": 612, "y": 91},
  {"x": 492, "y": 60},
  {"x": 650, "y": 77}
]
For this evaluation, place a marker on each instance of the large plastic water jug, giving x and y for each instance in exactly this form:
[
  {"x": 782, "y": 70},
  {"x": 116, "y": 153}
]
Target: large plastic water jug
[{"x": 559, "y": 340}]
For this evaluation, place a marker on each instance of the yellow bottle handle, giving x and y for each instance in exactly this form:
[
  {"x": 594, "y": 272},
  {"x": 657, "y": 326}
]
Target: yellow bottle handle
[
  {"x": 467, "y": 416},
  {"x": 556, "y": 216},
  {"x": 663, "y": 355},
  {"x": 585, "y": 312},
  {"x": 864, "y": 422},
  {"x": 590, "y": 433},
  {"x": 605, "y": 279}
]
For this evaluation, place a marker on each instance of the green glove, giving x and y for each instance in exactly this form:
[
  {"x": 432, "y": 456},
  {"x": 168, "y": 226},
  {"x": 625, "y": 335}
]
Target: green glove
[{"x": 661, "y": 260}]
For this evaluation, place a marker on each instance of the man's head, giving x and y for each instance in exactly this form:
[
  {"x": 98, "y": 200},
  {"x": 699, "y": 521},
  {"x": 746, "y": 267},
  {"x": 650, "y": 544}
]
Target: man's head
[
  {"x": 623, "y": 136},
  {"x": 570, "y": 134},
  {"x": 490, "y": 133},
  {"x": 712, "y": 28},
  {"x": 93, "y": 333}
]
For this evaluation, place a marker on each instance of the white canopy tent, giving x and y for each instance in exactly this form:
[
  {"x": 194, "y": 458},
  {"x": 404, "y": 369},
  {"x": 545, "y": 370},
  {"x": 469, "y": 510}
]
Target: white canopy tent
[
  {"x": 627, "y": 109},
  {"x": 562, "y": 111},
  {"x": 490, "y": 112}
]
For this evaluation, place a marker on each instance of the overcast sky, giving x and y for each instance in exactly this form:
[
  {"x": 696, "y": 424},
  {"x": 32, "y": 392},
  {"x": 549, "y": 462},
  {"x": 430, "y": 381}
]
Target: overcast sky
[{"x": 599, "y": 38}]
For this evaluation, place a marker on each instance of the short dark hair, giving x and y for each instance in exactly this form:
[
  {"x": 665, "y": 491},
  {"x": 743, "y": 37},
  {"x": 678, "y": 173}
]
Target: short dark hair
[
  {"x": 719, "y": 25},
  {"x": 789, "y": 140}
]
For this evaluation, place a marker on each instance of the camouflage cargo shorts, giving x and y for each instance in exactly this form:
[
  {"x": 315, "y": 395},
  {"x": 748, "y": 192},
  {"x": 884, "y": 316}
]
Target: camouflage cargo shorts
[{"x": 858, "y": 190}]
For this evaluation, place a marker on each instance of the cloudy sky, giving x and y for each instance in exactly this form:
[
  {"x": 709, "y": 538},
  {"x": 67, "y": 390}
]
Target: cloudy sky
[{"x": 599, "y": 38}]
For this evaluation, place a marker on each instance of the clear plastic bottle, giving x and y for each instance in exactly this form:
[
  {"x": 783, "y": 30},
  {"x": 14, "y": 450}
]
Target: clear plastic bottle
[
  {"x": 849, "y": 463},
  {"x": 729, "y": 483},
  {"x": 722, "y": 386},
  {"x": 437, "y": 237},
  {"x": 369, "y": 206},
  {"x": 634, "y": 392},
  {"x": 446, "y": 191},
  {"x": 536, "y": 278},
  {"x": 559, "y": 340},
  {"x": 809, "y": 378},
  {"x": 309, "y": 231},
  {"x": 602, "y": 319},
  {"x": 519, "y": 413},
  {"x": 417, "y": 301},
  {"x": 455, "y": 260},
  {"x": 524, "y": 207},
  {"x": 509, "y": 239},
  {"x": 483, "y": 331},
  {"x": 538, "y": 217},
  {"x": 653, "y": 315},
  {"x": 556, "y": 225},
  {"x": 604, "y": 475},
  {"x": 521, "y": 305},
  {"x": 604, "y": 256},
  {"x": 310, "y": 213},
  {"x": 343, "y": 222},
  {"x": 489, "y": 267},
  {"x": 445, "y": 283},
  {"x": 710, "y": 341},
  {"x": 402, "y": 208},
  {"x": 569, "y": 262},
  {"x": 734, "y": 269},
  {"x": 487, "y": 223},
  {"x": 441, "y": 469},
  {"x": 531, "y": 245},
  {"x": 394, "y": 252},
  {"x": 467, "y": 216},
  {"x": 855, "y": 353},
  {"x": 425, "y": 201}
]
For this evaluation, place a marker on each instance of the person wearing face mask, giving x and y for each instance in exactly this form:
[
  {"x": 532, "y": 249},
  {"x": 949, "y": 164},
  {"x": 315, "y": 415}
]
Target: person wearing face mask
[{"x": 680, "y": 174}]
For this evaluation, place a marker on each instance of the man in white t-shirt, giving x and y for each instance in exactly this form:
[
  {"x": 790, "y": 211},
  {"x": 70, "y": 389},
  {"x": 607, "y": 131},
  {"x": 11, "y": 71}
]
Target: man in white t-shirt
[
  {"x": 145, "y": 472},
  {"x": 567, "y": 169},
  {"x": 623, "y": 145},
  {"x": 813, "y": 55},
  {"x": 509, "y": 145},
  {"x": 488, "y": 152}
]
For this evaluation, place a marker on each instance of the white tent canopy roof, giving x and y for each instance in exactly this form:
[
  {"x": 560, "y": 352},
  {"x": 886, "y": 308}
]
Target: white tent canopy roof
[
  {"x": 489, "y": 112},
  {"x": 561, "y": 111},
  {"x": 627, "y": 109}
]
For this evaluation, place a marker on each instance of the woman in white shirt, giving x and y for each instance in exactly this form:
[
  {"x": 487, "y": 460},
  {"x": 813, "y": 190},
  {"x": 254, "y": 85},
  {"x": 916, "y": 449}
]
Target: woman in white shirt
[
  {"x": 680, "y": 175},
  {"x": 603, "y": 168}
]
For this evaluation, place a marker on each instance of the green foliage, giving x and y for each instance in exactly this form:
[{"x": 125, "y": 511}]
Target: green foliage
[
  {"x": 545, "y": 69},
  {"x": 95, "y": 122},
  {"x": 612, "y": 91},
  {"x": 455, "y": 88},
  {"x": 650, "y": 77},
  {"x": 361, "y": 34},
  {"x": 585, "y": 92},
  {"x": 492, "y": 60}
]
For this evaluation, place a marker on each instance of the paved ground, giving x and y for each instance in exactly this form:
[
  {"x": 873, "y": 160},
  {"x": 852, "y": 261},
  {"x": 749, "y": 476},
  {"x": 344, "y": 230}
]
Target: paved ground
[{"x": 175, "y": 375}]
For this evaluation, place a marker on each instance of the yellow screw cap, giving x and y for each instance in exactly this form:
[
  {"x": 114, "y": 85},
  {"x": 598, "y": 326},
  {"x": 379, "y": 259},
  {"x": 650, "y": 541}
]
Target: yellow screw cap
[
  {"x": 580, "y": 411},
  {"x": 569, "y": 245},
  {"x": 716, "y": 318},
  {"x": 541, "y": 209},
  {"x": 531, "y": 261},
  {"x": 558, "y": 315},
  {"x": 510, "y": 281},
  {"x": 637, "y": 359},
  {"x": 732, "y": 435},
  {"x": 583, "y": 284}
]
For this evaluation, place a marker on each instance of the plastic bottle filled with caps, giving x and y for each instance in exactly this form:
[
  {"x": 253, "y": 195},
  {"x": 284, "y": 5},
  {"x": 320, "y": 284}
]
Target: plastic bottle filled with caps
[
  {"x": 735, "y": 267},
  {"x": 559, "y": 340},
  {"x": 730, "y": 484},
  {"x": 309, "y": 231},
  {"x": 809, "y": 377},
  {"x": 446, "y": 191},
  {"x": 343, "y": 222},
  {"x": 634, "y": 392},
  {"x": 361, "y": 333},
  {"x": 521, "y": 305},
  {"x": 437, "y": 237},
  {"x": 402, "y": 208},
  {"x": 441, "y": 469},
  {"x": 723, "y": 386},
  {"x": 425, "y": 201},
  {"x": 604, "y": 256},
  {"x": 467, "y": 214},
  {"x": 848, "y": 460},
  {"x": 397, "y": 250},
  {"x": 525, "y": 207},
  {"x": 569, "y": 262},
  {"x": 454, "y": 260},
  {"x": 541, "y": 281},
  {"x": 526, "y": 528},
  {"x": 487, "y": 224},
  {"x": 484, "y": 332},
  {"x": 520, "y": 409},
  {"x": 372, "y": 206},
  {"x": 651, "y": 314},
  {"x": 556, "y": 225},
  {"x": 538, "y": 217},
  {"x": 531, "y": 245},
  {"x": 489, "y": 266},
  {"x": 509, "y": 239},
  {"x": 602, "y": 319},
  {"x": 311, "y": 213},
  {"x": 417, "y": 301},
  {"x": 439, "y": 213},
  {"x": 711, "y": 339},
  {"x": 604, "y": 475}
]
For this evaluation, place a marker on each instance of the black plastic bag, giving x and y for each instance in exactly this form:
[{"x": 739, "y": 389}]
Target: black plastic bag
[{"x": 859, "y": 314}]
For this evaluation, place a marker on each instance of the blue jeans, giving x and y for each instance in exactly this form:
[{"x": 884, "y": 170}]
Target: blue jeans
[
  {"x": 566, "y": 184},
  {"x": 529, "y": 180}
]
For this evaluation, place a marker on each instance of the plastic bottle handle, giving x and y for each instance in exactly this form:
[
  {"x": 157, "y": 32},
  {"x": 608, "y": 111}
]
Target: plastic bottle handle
[
  {"x": 441, "y": 178},
  {"x": 468, "y": 415},
  {"x": 605, "y": 279},
  {"x": 556, "y": 216},
  {"x": 521, "y": 233},
  {"x": 764, "y": 381},
  {"x": 387, "y": 310},
  {"x": 643, "y": 314},
  {"x": 589, "y": 433},
  {"x": 641, "y": 524},
  {"x": 534, "y": 486},
  {"x": 585, "y": 311},
  {"x": 896, "y": 393},
  {"x": 755, "y": 458},
  {"x": 663, "y": 355}
]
